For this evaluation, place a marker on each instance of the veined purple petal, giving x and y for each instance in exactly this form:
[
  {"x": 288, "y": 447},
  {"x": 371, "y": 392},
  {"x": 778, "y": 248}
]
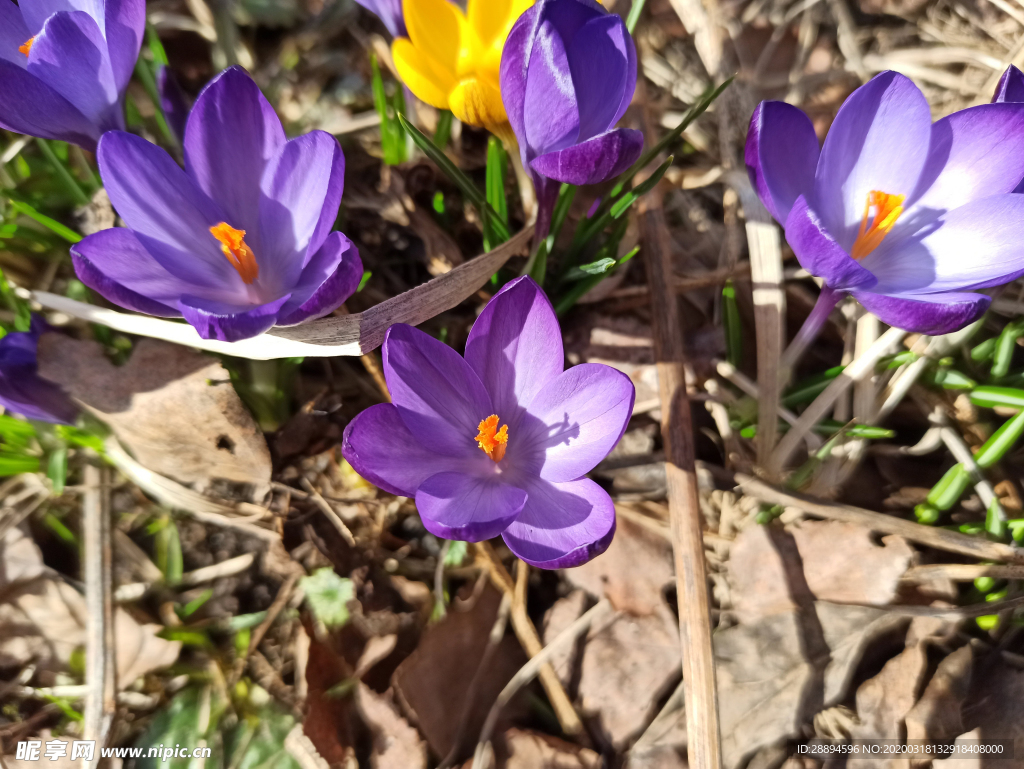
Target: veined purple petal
[
  {"x": 931, "y": 314},
  {"x": 551, "y": 115},
  {"x": 472, "y": 508},
  {"x": 13, "y": 33},
  {"x": 515, "y": 347},
  {"x": 440, "y": 398},
  {"x": 331, "y": 277},
  {"x": 36, "y": 12},
  {"x": 389, "y": 12},
  {"x": 878, "y": 141},
  {"x": 562, "y": 524},
  {"x": 229, "y": 324},
  {"x": 820, "y": 254},
  {"x": 231, "y": 136},
  {"x": 781, "y": 156},
  {"x": 577, "y": 419},
  {"x": 383, "y": 451},
  {"x": 125, "y": 25},
  {"x": 70, "y": 55},
  {"x": 599, "y": 58},
  {"x": 515, "y": 57},
  {"x": 1011, "y": 86},
  {"x": 975, "y": 153},
  {"x": 30, "y": 106},
  {"x": 173, "y": 101},
  {"x": 592, "y": 162},
  {"x": 114, "y": 264}
]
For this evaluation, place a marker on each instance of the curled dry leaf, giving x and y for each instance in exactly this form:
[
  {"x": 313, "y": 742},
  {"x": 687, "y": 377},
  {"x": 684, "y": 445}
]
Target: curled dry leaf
[
  {"x": 560, "y": 616},
  {"x": 521, "y": 749},
  {"x": 937, "y": 715},
  {"x": 174, "y": 408},
  {"x": 396, "y": 745}
]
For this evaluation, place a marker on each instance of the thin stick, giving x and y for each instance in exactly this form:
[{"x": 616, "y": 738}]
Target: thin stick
[
  {"x": 100, "y": 668},
  {"x": 529, "y": 671},
  {"x": 704, "y": 742},
  {"x": 932, "y": 536},
  {"x": 963, "y": 572},
  {"x": 330, "y": 512}
]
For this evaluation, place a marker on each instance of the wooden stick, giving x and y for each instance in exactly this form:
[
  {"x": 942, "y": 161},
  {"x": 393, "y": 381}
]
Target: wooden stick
[{"x": 703, "y": 747}]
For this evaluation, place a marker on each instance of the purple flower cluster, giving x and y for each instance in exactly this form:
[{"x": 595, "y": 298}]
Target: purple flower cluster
[{"x": 22, "y": 390}]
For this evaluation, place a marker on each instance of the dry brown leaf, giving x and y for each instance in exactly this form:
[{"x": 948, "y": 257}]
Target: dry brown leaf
[
  {"x": 174, "y": 408},
  {"x": 993, "y": 708},
  {"x": 565, "y": 611},
  {"x": 20, "y": 559},
  {"x": 631, "y": 573},
  {"x": 628, "y": 665},
  {"x": 520, "y": 749},
  {"x": 937, "y": 715},
  {"x": 396, "y": 745},
  {"x": 762, "y": 579}
]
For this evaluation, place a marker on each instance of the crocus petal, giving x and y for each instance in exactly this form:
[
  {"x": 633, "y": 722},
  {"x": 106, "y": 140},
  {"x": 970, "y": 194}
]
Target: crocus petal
[
  {"x": 781, "y": 156},
  {"x": 819, "y": 253},
  {"x": 125, "y": 25},
  {"x": 383, "y": 451},
  {"x": 435, "y": 29},
  {"x": 878, "y": 141},
  {"x": 293, "y": 221},
  {"x": 171, "y": 217},
  {"x": 331, "y": 277},
  {"x": 562, "y": 524},
  {"x": 576, "y": 420},
  {"x": 515, "y": 347},
  {"x": 1011, "y": 86},
  {"x": 468, "y": 507},
  {"x": 430, "y": 83},
  {"x": 389, "y": 12},
  {"x": 229, "y": 324},
  {"x": 515, "y": 58},
  {"x": 973, "y": 246},
  {"x": 30, "y": 106},
  {"x": 477, "y": 102},
  {"x": 36, "y": 12},
  {"x": 13, "y": 33},
  {"x": 974, "y": 153},
  {"x": 440, "y": 398},
  {"x": 931, "y": 314},
  {"x": 594, "y": 161},
  {"x": 173, "y": 101},
  {"x": 113, "y": 263},
  {"x": 552, "y": 119},
  {"x": 602, "y": 46},
  {"x": 231, "y": 135},
  {"x": 490, "y": 19},
  {"x": 70, "y": 55},
  {"x": 22, "y": 390}
]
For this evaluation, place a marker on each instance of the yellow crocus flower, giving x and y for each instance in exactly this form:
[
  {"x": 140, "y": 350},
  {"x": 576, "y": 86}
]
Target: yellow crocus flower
[{"x": 451, "y": 59}]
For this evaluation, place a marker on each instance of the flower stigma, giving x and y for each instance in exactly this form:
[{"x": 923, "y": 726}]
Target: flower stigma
[
  {"x": 26, "y": 47},
  {"x": 490, "y": 439},
  {"x": 232, "y": 243},
  {"x": 887, "y": 209}
]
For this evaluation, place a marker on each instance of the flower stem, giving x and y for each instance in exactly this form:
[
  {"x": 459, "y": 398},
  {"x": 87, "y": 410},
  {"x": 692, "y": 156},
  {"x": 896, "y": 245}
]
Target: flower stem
[
  {"x": 547, "y": 197},
  {"x": 81, "y": 199},
  {"x": 827, "y": 301}
]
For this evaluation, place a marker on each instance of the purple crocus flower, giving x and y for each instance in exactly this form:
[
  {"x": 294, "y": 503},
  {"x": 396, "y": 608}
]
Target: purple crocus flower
[
  {"x": 241, "y": 239},
  {"x": 907, "y": 216},
  {"x": 389, "y": 12},
  {"x": 65, "y": 64},
  {"x": 22, "y": 390},
  {"x": 498, "y": 442},
  {"x": 568, "y": 72}
]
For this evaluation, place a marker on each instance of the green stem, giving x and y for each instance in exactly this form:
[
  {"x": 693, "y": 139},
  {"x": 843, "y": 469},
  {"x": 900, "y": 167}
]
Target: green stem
[
  {"x": 145, "y": 74},
  {"x": 81, "y": 199}
]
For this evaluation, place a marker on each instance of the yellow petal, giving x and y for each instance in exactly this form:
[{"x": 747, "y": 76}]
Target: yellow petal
[
  {"x": 475, "y": 102},
  {"x": 429, "y": 82},
  {"x": 493, "y": 19},
  {"x": 436, "y": 29}
]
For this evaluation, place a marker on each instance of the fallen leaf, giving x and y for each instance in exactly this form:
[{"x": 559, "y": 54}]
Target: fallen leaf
[
  {"x": 521, "y": 749},
  {"x": 174, "y": 408},
  {"x": 975, "y": 761},
  {"x": 396, "y": 745},
  {"x": 993, "y": 709},
  {"x": 564, "y": 612},
  {"x": 764, "y": 580},
  {"x": 937, "y": 715},
  {"x": 20, "y": 559}
]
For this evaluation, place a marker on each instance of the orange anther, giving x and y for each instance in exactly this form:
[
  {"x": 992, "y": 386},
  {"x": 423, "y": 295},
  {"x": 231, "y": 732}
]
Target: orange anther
[
  {"x": 232, "y": 243},
  {"x": 490, "y": 439},
  {"x": 887, "y": 210},
  {"x": 26, "y": 47}
]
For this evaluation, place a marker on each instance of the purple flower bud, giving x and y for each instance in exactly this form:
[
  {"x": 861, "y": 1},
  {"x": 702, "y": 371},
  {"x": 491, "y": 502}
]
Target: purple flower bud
[
  {"x": 241, "y": 239},
  {"x": 22, "y": 390},
  {"x": 389, "y": 12},
  {"x": 498, "y": 442},
  {"x": 64, "y": 66}
]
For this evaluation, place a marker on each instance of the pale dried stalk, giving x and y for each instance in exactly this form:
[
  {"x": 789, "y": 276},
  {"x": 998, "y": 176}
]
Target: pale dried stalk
[
  {"x": 963, "y": 572},
  {"x": 728, "y": 371},
  {"x": 354, "y": 334},
  {"x": 100, "y": 670}
]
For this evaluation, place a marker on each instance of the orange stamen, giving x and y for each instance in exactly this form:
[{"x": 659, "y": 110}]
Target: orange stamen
[
  {"x": 491, "y": 440},
  {"x": 887, "y": 210},
  {"x": 27, "y": 45},
  {"x": 232, "y": 243}
]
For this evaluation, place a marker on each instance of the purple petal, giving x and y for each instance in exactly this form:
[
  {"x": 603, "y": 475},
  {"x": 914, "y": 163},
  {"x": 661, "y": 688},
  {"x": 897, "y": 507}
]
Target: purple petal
[
  {"x": 331, "y": 277},
  {"x": 383, "y": 451},
  {"x": 231, "y": 136},
  {"x": 300, "y": 186},
  {"x": 931, "y": 314},
  {"x": 36, "y": 12},
  {"x": 594, "y": 161},
  {"x": 974, "y": 246},
  {"x": 29, "y": 106},
  {"x": 70, "y": 55},
  {"x": 562, "y": 524},
  {"x": 468, "y": 507},
  {"x": 114, "y": 264},
  {"x": 550, "y": 115},
  {"x": 515, "y": 347},
  {"x": 781, "y": 156},
  {"x": 125, "y": 25},
  {"x": 173, "y": 101},
  {"x": 165, "y": 209},
  {"x": 440, "y": 398},
  {"x": 389, "y": 12},
  {"x": 602, "y": 60},
  {"x": 820, "y": 254},
  {"x": 229, "y": 324},
  {"x": 975, "y": 152},
  {"x": 515, "y": 57},
  {"x": 878, "y": 141},
  {"x": 1011, "y": 86},
  {"x": 22, "y": 390},
  {"x": 576, "y": 420},
  {"x": 13, "y": 33}
]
